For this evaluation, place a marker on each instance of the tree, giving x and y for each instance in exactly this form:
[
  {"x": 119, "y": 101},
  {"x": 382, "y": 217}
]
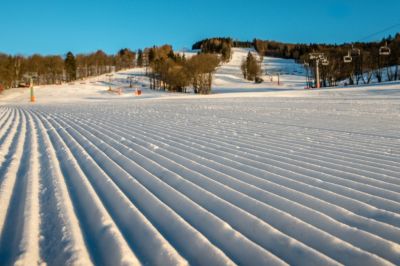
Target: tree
[
  {"x": 251, "y": 68},
  {"x": 6, "y": 79},
  {"x": 173, "y": 72},
  {"x": 140, "y": 58},
  {"x": 70, "y": 66},
  {"x": 200, "y": 68},
  {"x": 52, "y": 69},
  {"x": 125, "y": 59},
  {"x": 226, "y": 52},
  {"x": 222, "y": 46}
]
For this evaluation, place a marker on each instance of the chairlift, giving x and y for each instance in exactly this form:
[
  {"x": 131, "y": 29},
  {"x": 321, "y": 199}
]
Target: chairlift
[
  {"x": 347, "y": 58},
  {"x": 315, "y": 56},
  {"x": 384, "y": 50},
  {"x": 325, "y": 62}
]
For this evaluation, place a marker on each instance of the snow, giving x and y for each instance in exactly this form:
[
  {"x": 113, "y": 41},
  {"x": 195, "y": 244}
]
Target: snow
[
  {"x": 251, "y": 174},
  {"x": 229, "y": 78}
]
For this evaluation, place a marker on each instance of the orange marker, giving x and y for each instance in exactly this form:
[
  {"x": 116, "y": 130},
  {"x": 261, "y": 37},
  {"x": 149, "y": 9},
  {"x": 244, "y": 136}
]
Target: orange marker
[{"x": 33, "y": 98}]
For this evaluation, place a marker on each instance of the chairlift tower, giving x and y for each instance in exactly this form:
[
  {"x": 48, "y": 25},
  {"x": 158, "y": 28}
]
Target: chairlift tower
[
  {"x": 130, "y": 79},
  {"x": 317, "y": 57},
  {"x": 308, "y": 79},
  {"x": 31, "y": 76},
  {"x": 109, "y": 80}
]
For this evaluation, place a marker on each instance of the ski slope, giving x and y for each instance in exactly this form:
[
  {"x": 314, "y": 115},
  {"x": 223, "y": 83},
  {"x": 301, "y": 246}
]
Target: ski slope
[
  {"x": 253, "y": 174},
  {"x": 229, "y": 77}
]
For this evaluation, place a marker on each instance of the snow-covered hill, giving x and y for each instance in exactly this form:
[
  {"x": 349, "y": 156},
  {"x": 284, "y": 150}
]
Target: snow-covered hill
[
  {"x": 229, "y": 77},
  {"x": 253, "y": 174}
]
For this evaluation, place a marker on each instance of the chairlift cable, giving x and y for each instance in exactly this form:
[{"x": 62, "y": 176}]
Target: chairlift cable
[{"x": 379, "y": 32}]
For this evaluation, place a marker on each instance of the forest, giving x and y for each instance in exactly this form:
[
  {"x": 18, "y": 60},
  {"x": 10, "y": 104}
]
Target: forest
[
  {"x": 167, "y": 70},
  {"x": 364, "y": 61},
  {"x": 358, "y": 63},
  {"x": 16, "y": 70}
]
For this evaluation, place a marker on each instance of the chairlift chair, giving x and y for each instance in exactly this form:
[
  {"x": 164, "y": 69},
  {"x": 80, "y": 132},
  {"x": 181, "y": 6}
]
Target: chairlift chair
[
  {"x": 384, "y": 50},
  {"x": 347, "y": 58},
  {"x": 325, "y": 62},
  {"x": 315, "y": 56}
]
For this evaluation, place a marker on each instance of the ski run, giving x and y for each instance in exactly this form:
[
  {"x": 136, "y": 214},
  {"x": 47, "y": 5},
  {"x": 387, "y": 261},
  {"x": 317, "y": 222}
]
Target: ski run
[{"x": 255, "y": 174}]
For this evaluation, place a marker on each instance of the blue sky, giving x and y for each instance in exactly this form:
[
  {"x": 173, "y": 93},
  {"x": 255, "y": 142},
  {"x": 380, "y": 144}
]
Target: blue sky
[{"x": 57, "y": 26}]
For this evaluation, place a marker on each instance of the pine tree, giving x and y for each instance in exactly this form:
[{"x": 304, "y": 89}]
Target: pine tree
[
  {"x": 171, "y": 55},
  {"x": 152, "y": 55},
  {"x": 140, "y": 58},
  {"x": 70, "y": 66}
]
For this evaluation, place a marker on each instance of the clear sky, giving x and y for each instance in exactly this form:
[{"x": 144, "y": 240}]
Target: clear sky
[{"x": 57, "y": 26}]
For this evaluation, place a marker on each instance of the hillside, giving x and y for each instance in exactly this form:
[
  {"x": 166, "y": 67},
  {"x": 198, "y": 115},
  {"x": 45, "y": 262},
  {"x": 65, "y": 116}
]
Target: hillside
[{"x": 229, "y": 77}]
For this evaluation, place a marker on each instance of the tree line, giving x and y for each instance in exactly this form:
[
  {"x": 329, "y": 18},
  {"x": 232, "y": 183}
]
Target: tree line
[
  {"x": 220, "y": 45},
  {"x": 172, "y": 71},
  {"x": 15, "y": 70}
]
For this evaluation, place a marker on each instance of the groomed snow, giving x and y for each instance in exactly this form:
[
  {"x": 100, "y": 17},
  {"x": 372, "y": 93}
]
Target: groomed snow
[{"x": 254, "y": 174}]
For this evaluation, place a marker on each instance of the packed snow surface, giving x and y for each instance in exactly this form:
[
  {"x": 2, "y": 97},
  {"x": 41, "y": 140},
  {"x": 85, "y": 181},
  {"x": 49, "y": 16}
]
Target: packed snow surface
[{"x": 262, "y": 174}]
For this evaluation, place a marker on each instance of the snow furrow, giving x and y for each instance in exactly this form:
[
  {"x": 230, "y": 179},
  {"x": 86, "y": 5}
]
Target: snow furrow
[
  {"x": 308, "y": 134},
  {"x": 354, "y": 236},
  {"x": 335, "y": 175},
  {"x": 9, "y": 172},
  {"x": 8, "y": 136},
  {"x": 4, "y": 114},
  {"x": 104, "y": 241},
  {"x": 171, "y": 144},
  {"x": 362, "y": 141},
  {"x": 365, "y": 197},
  {"x": 260, "y": 231},
  {"x": 204, "y": 253},
  {"x": 309, "y": 141},
  {"x": 293, "y": 148},
  {"x": 17, "y": 231},
  {"x": 319, "y": 165},
  {"x": 358, "y": 207},
  {"x": 5, "y": 126},
  {"x": 220, "y": 233},
  {"x": 122, "y": 210},
  {"x": 60, "y": 231},
  {"x": 333, "y": 247},
  {"x": 29, "y": 244},
  {"x": 284, "y": 169}
]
